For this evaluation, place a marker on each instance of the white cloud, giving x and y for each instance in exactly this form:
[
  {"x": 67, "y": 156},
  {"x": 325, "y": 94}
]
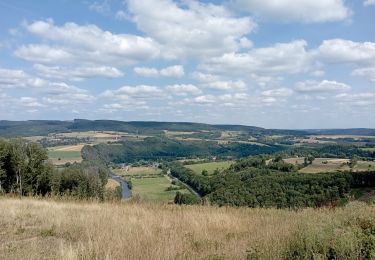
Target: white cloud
[
  {"x": 29, "y": 102},
  {"x": 311, "y": 86},
  {"x": 279, "y": 92},
  {"x": 86, "y": 44},
  {"x": 368, "y": 73},
  {"x": 146, "y": 72},
  {"x": 138, "y": 92},
  {"x": 226, "y": 85},
  {"x": 369, "y": 2},
  {"x": 176, "y": 71},
  {"x": 296, "y": 10},
  {"x": 226, "y": 99},
  {"x": 77, "y": 73},
  {"x": 103, "y": 7},
  {"x": 345, "y": 51},
  {"x": 281, "y": 58},
  {"x": 18, "y": 78},
  {"x": 184, "y": 89},
  {"x": 191, "y": 28},
  {"x": 357, "y": 99},
  {"x": 60, "y": 93}
]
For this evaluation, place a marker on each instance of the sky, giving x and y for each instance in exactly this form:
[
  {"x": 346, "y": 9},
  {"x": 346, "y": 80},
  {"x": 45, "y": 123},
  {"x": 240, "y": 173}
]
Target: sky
[{"x": 294, "y": 64}]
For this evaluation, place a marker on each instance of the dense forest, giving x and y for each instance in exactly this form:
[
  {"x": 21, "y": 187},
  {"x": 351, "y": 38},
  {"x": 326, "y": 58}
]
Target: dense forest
[
  {"x": 254, "y": 183},
  {"x": 155, "y": 148},
  {"x": 45, "y": 127},
  {"x": 25, "y": 170}
]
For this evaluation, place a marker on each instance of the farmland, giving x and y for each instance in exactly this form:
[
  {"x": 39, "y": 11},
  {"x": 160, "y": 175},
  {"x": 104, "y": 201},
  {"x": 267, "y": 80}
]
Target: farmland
[
  {"x": 326, "y": 165},
  {"x": 140, "y": 171},
  {"x": 209, "y": 167},
  {"x": 154, "y": 189},
  {"x": 65, "y": 154}
]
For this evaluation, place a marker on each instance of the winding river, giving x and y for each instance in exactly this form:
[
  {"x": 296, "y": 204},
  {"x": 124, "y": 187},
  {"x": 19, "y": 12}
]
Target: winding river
[{"x": 126, "y": 193}]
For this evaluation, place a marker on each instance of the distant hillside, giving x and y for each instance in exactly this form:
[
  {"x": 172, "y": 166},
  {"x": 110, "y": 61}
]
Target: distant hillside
[
  {"x": 44, "y": 127},
  {"x": 350, "y": 131}
]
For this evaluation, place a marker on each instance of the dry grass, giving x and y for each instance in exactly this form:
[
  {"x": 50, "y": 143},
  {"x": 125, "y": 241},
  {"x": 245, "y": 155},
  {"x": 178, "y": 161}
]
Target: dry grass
[
  {"x": 68, "y": 148},
  {"x": 326, "y": 165},
  {"x": 112, "y": 184},
  {"x": 41, "y": 229}
]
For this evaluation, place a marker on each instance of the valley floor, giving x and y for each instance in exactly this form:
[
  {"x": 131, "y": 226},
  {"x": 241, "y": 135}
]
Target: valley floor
[{"x": 47, "y": 229}]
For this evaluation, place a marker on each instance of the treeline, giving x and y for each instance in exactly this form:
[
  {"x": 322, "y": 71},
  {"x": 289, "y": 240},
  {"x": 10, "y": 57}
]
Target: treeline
[
  {"x": 329, "y": 151},
  {"x": 25, "y": 170},
  {"x": 254, "y": 183},
  {"x": 155, "y": 148}
]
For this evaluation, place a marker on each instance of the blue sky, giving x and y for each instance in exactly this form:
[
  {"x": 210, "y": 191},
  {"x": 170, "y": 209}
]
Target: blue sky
[{"x": 275, "y": 64}]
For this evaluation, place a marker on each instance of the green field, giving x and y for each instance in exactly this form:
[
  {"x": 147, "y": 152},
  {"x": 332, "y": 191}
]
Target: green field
[
  {"x": 154, "y": 189},
  {"x": 137, "y": 171},
  {"x": 210, "y": 167},
  {"x": 64, "y": 154},
  {"x": 369, "y": 149}
]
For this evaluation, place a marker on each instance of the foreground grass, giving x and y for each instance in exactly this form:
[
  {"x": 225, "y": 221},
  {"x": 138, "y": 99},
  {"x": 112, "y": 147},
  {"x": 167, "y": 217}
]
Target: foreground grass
[{"x": 41, "y": 229}]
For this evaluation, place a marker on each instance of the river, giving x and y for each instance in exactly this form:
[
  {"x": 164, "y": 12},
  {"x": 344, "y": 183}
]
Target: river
[{"x": 126, "y": 193}]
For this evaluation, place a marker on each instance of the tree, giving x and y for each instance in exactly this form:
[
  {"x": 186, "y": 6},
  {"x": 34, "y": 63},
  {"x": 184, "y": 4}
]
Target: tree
[
  {"x": 353, "y": 161},
  {"x": 19, "y": 161}
]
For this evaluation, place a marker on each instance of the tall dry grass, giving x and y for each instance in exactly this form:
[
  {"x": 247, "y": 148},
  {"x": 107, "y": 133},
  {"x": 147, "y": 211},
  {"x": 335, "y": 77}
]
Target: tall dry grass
[{"x": 46, "y": 229}]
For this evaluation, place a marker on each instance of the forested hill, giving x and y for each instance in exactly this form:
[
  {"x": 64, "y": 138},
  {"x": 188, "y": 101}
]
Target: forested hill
[
  {"x": 351, "y": 131},
  {"x": 44, "y": 127}
]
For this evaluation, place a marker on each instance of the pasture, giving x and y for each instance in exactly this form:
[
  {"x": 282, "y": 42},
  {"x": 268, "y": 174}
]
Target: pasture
[
  {"x": 326, "y": 165},
  {"x": 134, "y": 172},
  {"x": 154, "y": 189},
  {"x": 63, "y": 154},
  {"x": 209, "y": 167}
]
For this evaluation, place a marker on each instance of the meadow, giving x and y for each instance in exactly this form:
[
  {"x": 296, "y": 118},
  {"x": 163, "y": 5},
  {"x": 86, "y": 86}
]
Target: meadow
[
  {"x": 154, "y": 189},
  {"x": 140, "y": 171},
  {"x": 334, "y": 165},
  {"x": 209, "y": 167},
  {"x": 60, "y": 155},
  {"x": 47, "y": 229}
]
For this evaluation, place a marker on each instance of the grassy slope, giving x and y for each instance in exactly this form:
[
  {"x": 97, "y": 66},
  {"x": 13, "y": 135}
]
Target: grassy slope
[
  {"x": 210, "y": 167},
  {"x": 39, "y": 229}
]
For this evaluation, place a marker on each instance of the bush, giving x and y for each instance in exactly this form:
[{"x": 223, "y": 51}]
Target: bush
[{"x": 182, "y": 198}]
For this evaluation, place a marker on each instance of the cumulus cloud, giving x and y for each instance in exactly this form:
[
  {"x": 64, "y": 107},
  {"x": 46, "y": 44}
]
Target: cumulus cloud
[
  {"x": 225, "y": 99},
  {"x": 191, "y": 28},
  {"x": 77, "y": 73},
  {"x": 60, "y": 93},
  {"x": 311, "y": 86},
  {"x": 87, "y": 44},
  {"x": 368, "y": 73},
  {"x": 176, "y": 71},
  {"x": 184, "y": 89},
  {"x": 226, "y": 85},
  {"x": 279, "y": 92},
  {"x": 29, "y": 102},
  {"x": 345, "y": 51},
  {"x": 281, "y": 58},
  {"x": 137, "y": 92},
  {"x": 18, "y": 78},
  {"x": 357, "y": 99},
  {"x": 296, "y": 10}
]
